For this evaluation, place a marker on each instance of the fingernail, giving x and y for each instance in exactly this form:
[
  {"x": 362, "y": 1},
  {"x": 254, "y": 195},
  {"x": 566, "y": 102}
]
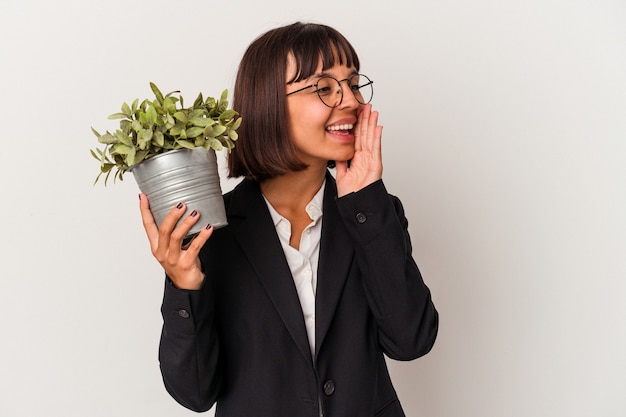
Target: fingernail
[
  {"x": 179, "y": 206},
  {"x": 194, "y": 213},
  {"x": 208, "y": 226},
  {"x": 139, "y": 195}
]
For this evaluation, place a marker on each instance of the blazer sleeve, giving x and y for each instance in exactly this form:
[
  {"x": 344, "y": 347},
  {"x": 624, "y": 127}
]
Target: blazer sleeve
[
  {"x": 189, "y": 349},
  {"x": 399, "y": 299}
]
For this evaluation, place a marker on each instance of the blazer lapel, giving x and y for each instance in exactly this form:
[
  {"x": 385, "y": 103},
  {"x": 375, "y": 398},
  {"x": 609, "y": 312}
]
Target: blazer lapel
[
  {"x": 336, "y": 253},
  {"x": 257, "y": 238}
]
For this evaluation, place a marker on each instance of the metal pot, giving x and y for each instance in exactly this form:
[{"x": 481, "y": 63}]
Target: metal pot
[{"x": 183, "y": 175}]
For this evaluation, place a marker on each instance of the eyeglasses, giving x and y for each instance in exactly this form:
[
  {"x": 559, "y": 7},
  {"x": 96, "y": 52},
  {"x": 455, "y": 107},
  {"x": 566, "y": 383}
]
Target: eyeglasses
[{"x": 329, "y": 89}]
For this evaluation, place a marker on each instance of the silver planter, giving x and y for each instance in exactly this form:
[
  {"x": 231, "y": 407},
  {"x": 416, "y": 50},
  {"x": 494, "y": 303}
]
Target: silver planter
[{"x": 184, "y": 175}]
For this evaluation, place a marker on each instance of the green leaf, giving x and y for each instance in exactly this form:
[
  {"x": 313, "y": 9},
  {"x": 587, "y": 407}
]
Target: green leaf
[
  {"x": 210, "y": 103},
  {"x": 202, "y": 121},
  {"x": 172, "y": 92},
  {"x": 95, "y": 132},
  {"x": 130, "y": 158},
  {"x": 185, "y": 144},
  {"x": 228, "y": 114},
  {"x": 193, "y": 132},
  {"x": 216, "y": 144},
  {"x": 223, "y": 103},
  {"x": 157, "y": 92},
  {"x": 197, "y": 113},
  {"x": 106, "y": 167},
  {"x": 237, "y": 123},
  {"x": 218, "y": 130},
  {"x": 97, "y": 178},
  {"x": 122, "y": 149},
  {"x": 169, "y": 105},
  {"x": 199, "y": 141},
  {"x": 177, "y": 130},
  {"x": 116, "y": 116},
  {"x": 233, "y": 135},
  {"x": 123, "y": 138},
  {"x": 144, "y": 138},
  {"x": 147, "y": 135},
  {"x": 157, "y": 106},
  {"x": 108, "y": 139},
  {"x": 181, "y": 116},
  {"x": 158, "y": 138},
  {"x": 126, "y": 109},
  {"x": 229, "y": 144},
  {"x": 141, "y": 156},
  {"x": 126, "y": 126},
  {"x": 143, "y": 105},
  {"x": 151, "y": 115},
  {"x": 198, "y": 101}
]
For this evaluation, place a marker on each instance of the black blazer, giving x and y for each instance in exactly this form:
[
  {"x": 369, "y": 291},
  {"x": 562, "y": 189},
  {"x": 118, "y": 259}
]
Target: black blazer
[{"x": 241, "y": 340}]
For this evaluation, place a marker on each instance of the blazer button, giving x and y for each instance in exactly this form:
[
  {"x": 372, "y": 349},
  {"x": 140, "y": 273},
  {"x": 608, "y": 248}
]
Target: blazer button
[
  {"x": 329, "y": 387},
  {"x": 361, "y": 218},
  {"x": 183, "y": 313}
]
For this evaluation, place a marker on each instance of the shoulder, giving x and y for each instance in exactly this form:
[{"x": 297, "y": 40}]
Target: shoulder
[{"x": 245, "y": 189}]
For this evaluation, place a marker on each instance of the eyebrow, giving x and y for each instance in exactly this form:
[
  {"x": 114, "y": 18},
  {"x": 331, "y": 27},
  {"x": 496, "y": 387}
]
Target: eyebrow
[{"x": 327, "y": 74}]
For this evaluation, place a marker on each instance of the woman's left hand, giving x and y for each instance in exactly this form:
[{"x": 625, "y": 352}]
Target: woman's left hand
[{"x": 366, "y": 166}]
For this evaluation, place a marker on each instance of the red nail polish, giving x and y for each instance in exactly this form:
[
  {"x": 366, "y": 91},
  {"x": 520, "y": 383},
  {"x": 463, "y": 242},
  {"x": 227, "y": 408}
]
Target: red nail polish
[
  {"x": 179, "y": 206},
  {"x": 208, "y": 226},
  {"x": 194, "y": 213}
]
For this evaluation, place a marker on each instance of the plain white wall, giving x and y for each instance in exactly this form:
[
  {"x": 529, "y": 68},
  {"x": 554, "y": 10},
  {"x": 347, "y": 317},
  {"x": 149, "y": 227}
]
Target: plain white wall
[{"x": 504, "y": 135}]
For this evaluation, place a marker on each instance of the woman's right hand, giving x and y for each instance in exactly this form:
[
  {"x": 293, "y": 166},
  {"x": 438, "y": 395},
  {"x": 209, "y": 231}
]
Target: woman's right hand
[{"x": 181, "y": 265}]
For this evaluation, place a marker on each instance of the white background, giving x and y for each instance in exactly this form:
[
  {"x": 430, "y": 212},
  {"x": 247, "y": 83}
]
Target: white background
[{"x": 504, "y": 136}]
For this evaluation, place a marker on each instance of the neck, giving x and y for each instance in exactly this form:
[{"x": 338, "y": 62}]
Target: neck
[{"x": 291, "y": 192}]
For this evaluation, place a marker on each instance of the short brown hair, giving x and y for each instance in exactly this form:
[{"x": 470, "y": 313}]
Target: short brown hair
[{"x": 264, "y": 149}]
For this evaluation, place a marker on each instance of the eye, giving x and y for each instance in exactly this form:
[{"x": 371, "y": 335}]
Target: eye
[
  {"x": 324, "y": 86},
  {"x": 324, "y": 90},
  {"x": 356, "y": 83}
]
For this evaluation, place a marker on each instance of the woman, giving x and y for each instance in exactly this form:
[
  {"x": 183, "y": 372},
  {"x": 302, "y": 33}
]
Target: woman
[{"x": 289, "y": 309}]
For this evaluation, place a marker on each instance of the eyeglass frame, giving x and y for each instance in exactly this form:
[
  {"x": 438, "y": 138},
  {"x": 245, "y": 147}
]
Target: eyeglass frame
[{"x": 370, "y": 82}]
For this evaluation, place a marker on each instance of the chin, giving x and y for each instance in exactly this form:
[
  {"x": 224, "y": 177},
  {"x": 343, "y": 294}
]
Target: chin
[{"x": 345, "y": 157}]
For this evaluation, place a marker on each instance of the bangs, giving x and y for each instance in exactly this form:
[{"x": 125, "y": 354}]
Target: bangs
[{"x": 315, "y": 43}]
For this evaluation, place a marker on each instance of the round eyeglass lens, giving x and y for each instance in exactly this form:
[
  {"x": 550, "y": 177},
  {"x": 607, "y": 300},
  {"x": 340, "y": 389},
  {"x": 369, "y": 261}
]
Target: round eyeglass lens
[
  {"x": 362, "y": 88},
  {"x": 329, "y": 91}
]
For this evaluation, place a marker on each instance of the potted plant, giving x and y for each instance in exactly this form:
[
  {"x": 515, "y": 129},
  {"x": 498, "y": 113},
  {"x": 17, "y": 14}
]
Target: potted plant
[{"x": 170, "y": 149}]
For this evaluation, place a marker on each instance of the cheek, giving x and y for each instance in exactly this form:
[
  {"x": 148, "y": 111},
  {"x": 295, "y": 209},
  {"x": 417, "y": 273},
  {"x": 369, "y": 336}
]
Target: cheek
[{"x": 307, "y": 121}]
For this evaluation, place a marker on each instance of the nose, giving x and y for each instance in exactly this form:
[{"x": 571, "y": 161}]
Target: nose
[{"x": 348, "y": 99}]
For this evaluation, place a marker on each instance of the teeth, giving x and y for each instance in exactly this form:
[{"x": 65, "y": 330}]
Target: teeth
[{"x": 340, "y": 127}]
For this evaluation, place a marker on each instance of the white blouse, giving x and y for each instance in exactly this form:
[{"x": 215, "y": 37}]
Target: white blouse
[{"x": 303, "y": 262}]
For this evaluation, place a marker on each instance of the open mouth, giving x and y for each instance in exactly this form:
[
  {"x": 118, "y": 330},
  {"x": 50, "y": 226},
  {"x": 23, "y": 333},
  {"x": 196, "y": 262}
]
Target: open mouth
[{"x": 343, "y": 129}]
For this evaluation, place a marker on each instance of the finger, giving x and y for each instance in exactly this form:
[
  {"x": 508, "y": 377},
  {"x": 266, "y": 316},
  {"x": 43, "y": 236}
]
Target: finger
[
  {"x": 369, "y": 141},
  {"x": 374, "y": 133},
  {"x": 378, "y": 149},
  {"x": 166, "y": 227},
  {"x": 152, "y": 231},
  {"x": 361, "y": 128},
  {"x": 193, "y": 248},
  {"x": 180, "y": 232}
]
